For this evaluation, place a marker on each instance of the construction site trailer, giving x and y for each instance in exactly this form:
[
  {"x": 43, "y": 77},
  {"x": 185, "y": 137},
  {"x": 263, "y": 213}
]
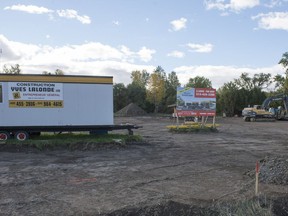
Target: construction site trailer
[{"x": 55, "y": 103}]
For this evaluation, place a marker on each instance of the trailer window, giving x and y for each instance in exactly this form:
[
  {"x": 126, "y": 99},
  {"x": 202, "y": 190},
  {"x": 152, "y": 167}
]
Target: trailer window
[{"x": 1, "y": 95}]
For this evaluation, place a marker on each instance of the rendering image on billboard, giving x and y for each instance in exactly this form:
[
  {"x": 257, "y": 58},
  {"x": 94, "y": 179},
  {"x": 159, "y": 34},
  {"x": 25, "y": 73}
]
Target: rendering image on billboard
[{"x": 196, "y": 101}]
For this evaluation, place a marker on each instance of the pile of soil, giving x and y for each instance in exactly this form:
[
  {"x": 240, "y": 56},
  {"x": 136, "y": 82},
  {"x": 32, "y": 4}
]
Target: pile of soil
[
  {"x": 273, "y": 170},
  {"x": 131, "y": 110}
]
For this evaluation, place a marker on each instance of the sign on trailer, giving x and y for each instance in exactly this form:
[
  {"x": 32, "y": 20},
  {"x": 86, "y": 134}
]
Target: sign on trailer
[{"x": 35, "y": 95}]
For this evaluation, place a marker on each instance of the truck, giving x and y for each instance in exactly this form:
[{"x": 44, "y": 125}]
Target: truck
[
  {"x": 266, "y": 110},
  {"x": 31, "y": 104}
]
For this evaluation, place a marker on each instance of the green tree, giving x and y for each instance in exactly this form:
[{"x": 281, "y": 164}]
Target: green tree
[
  {"x": 140, "y": 78},
  {"x": 199, "y": 82},
  {"x": 137, "y": 89},
  {"x": 259, "y": 81},
  {"x": 137, "y": 94},
  {"x": 284, "y": 61},
  {"x": 57, "y": 72},
  {"x": 227, "y": 98},
  {"x": 120, "y": 96},
  {"x": 171, "y": 84},
  {"x": 156, "y": 88},
  {"x": 279, "y": 83},
  {"x": 251, "y": 89},
  {"x": 282, "y": 82},
  {"x": 244, "y": 91},
  {"x": 12, "y": 70}
]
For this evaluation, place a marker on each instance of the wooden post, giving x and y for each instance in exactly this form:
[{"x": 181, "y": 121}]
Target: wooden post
[
  {"x": 177, "y": 118},
  {"x": 202, "y": 122},
  {"x": 257, "y": 179},
  {"x": 214, "y": 120}
]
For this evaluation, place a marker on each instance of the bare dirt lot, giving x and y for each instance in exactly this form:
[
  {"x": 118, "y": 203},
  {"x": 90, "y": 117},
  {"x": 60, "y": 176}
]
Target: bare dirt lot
[{"x": 179, "y": 169}]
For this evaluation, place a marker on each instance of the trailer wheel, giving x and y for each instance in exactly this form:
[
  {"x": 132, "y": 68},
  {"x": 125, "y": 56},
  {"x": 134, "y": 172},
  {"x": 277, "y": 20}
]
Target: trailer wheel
[
  {"x": 21, "y": 135},
  {"x": 4, "y": 135}
]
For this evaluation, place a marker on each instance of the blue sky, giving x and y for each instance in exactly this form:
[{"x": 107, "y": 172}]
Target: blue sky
[{"x": 218, "y": 39}]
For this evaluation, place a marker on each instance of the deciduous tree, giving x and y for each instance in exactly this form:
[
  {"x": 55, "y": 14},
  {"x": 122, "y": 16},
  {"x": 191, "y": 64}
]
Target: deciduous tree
[
  {"x": 120, "y": 96},
  {"x": 171, "y": 85},
  {"x": 282, "y": 81},
  {"x": 12, "y": 70},
  {"x": 156, "y": 87},
  {"x": 199, "y": 82},
  {"x": 140, "y": 78}
]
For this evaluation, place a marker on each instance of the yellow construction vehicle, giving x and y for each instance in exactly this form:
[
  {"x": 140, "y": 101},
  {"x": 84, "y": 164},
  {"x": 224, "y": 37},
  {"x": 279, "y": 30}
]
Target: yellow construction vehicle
[
  {"x": 265, "y": 111},
  {"x": 257, "y": 112}
]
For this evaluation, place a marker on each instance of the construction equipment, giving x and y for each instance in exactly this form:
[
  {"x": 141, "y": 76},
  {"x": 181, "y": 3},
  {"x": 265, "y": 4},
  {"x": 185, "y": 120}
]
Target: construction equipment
[
  {"x": 266, "y": 111},
  {"x": 281, "y": 112}
]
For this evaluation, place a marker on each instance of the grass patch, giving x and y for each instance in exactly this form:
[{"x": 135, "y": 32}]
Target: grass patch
[
  {"x": 192, "y": 127},
  {"x": 257, "y": 206},
  {"x": 72, "y": 141}
]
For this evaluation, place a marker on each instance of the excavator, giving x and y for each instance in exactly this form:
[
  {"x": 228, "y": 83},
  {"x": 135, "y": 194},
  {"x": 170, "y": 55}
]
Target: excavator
[{"x": 266, "y": 111}]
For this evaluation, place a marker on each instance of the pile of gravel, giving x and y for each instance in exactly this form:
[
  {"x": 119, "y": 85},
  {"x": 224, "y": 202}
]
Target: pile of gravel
[{"x": 274, "y": 170}]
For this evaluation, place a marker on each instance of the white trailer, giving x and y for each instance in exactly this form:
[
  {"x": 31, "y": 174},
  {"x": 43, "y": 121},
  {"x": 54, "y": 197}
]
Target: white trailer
[{"x": 37, "y": 103}]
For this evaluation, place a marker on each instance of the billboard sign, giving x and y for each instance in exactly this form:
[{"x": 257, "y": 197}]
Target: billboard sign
[
  {"x": 196, "y": 102},
  {"x": 35, "y": 95}
]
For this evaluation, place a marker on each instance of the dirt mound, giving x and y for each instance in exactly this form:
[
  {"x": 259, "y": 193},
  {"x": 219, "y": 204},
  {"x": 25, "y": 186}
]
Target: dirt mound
[
  {"x": 273, "y": 170},
  {"x": 131, "y": 110}
]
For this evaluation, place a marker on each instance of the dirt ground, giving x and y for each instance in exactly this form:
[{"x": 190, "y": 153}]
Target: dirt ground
[{"x": 187, "y": 169}]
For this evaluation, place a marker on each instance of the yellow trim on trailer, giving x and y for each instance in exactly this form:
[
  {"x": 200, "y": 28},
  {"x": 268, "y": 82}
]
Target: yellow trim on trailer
[{"x": 55, "y": 78}]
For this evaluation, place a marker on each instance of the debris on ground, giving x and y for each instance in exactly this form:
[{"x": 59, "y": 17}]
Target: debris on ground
[{"x": 273, "y": 170}]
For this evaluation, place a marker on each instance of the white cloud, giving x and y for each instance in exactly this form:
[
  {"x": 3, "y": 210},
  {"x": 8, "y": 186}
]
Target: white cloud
[
  {"x": 216, "y": 4},
  {"x": 233, "y": 5},
  {"x": 146, "y": 54},
  {"x": 273, "y": 3},
  {"x": 126, "y": 51},
  {"x": 67, "y": 13},
  {"x": 176, "y": 54},
  {"x": 179, "y": 24},
  {"x": 221, "y": 74},
  {"x": 202, "y": 48},
  {"x": 272, "y": 20},
  {"x": 29, "y": 9},
  {"x": 116, "y": 22},
  {"x": 85, "y": 59},
  {"x": 243, "y": 4},
  {"x": 73, "y": 14}
]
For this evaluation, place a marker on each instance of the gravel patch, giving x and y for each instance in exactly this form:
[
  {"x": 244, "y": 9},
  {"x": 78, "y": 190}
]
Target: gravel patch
[{"x": 274, "y": 170}]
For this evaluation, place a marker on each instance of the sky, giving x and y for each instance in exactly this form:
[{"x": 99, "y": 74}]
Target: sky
[{"x": 217, "y": 39}]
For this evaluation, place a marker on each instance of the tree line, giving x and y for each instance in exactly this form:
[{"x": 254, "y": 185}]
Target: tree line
[
  {"x": 156, "y": 92},
  {"x": 15, "y": 69},
  {"x": 153, "y": 92}
]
